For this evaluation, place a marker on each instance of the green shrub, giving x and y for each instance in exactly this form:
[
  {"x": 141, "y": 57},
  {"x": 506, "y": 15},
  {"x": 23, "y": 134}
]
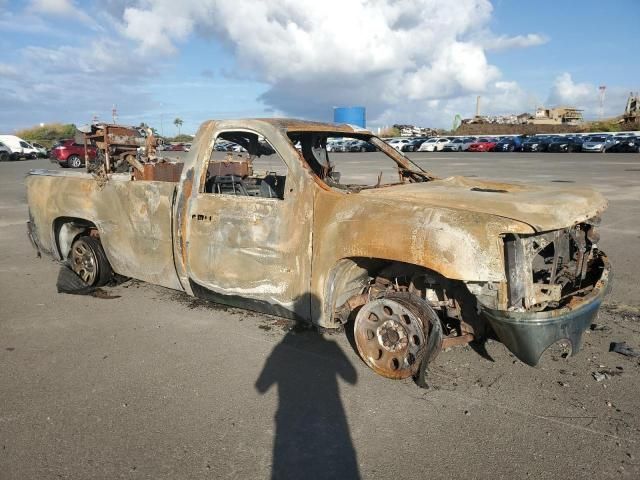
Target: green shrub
[{"x": 48, "y": 134}]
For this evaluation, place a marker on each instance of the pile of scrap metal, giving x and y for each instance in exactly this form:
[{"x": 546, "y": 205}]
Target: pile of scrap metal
[{"x": 122, "y": 149}]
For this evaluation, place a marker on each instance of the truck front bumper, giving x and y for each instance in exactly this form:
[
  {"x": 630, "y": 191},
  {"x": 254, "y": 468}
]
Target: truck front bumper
[{"x": 528, "y": 334}]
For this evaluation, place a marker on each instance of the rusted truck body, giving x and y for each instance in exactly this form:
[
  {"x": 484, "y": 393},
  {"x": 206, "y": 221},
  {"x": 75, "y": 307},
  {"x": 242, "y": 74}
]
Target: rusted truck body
[{"x": 415, "y": 265}]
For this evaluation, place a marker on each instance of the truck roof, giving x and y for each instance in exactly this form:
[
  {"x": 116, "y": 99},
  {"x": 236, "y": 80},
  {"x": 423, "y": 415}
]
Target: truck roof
[{"x": 296, "y": 125}]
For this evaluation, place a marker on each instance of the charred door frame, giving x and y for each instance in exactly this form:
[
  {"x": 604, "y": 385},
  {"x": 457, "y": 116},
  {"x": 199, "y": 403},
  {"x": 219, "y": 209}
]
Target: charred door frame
[{"x": 294, "y": 265}]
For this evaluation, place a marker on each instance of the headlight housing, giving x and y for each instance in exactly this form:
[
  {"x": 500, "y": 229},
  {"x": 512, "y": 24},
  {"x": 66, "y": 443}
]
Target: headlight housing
[{"x": 545, "y": 270}]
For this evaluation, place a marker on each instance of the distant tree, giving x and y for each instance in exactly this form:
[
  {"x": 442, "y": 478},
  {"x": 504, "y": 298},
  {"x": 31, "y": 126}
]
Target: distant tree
[
  {"x": 48, "y": 134},
  {"x": 390, "y": 132},
  {"x": 182, "y": 138},
  {"x": 178, "y": 123}
]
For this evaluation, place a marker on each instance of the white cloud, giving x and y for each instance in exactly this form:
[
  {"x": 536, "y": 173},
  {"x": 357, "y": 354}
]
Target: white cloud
[
  {"x": 586, "y": 96},
  {"x": 504, "y": 42},
  {"x": 566, "y": 91},
  {"x": 384, "y": 54},
  {"x": 57, "y": 7},
  {"x": 62, "y": 8},
  {"x": 71, "y": 83},
  {"x": 419, "y": 61},
  {"x": 8, "y": 71}
]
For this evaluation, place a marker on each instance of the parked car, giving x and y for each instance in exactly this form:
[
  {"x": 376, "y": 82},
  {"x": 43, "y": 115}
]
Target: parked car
[
  {"x": 509, "y": 144},
  {"x": 361, "y": 146},
  {"x": 435, "y": 144},
  {"x": 352, "y": 145},
  {"x": 534, "y": 144},
  {"x": 220, "y": 146},
  {"x": 414, "y": 144},
  {"x": 379, "y": 260},
  {"x": 565, "y": 144},
  {"x": 68, "y": 153},
  {"x": 5, "y": 153},
  {"x": 42, "y": 151},
  {"x": 176, "y": 147},
  {"x": 483, "y": 145},
  {"x": 19, "y": 147},
  {"x": 629, "y": 144},
  {"x": 597, "y": 143},
  {"x": 398, "y": 143},
  {"x": 458, "y": 144},
  {"x": 337, "y": 145}
]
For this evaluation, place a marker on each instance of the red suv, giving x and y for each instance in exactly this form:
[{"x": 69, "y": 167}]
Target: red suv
[{"x": 68, "y": 153}]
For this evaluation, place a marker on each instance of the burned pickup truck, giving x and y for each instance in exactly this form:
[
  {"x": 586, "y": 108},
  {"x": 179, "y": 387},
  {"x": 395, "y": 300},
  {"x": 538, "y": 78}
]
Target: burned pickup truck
[{"x": 412, "y": 262}]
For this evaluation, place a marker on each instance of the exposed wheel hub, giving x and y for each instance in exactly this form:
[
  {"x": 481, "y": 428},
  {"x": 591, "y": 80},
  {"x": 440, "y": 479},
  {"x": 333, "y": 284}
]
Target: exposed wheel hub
[{"x": 390, "y": 336}]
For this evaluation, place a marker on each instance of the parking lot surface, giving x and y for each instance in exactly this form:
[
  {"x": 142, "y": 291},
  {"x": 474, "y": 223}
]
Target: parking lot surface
[{"x": 150, "y": 383}]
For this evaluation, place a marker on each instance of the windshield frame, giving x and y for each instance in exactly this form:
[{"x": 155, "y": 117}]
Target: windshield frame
[{"x": 409, "y": 171}]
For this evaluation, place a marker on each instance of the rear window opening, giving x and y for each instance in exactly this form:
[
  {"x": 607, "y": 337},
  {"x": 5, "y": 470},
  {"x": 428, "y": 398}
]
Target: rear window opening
[{"x": 243, "y": 163}]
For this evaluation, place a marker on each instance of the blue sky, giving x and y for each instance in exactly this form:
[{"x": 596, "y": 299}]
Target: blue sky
[
  {"x": 594, "y": 41},
  {"x": 418, "y": 61}
]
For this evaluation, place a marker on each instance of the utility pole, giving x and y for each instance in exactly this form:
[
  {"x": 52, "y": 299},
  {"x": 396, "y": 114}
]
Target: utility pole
[
  {"x": 114, "y": 113},
  {"x": 161, "y": 121},
  {"x": 602, "y": 89}
]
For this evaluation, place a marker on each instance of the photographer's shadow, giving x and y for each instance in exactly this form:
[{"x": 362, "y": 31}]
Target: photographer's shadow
[{"x": 312, "y": 436}]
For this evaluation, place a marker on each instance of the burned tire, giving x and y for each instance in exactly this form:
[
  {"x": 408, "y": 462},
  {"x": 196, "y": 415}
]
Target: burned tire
[
  {"x": 74, "y": 161},
  {"x": 88, "y": 260},
  {"x": 398, "y": 335}
]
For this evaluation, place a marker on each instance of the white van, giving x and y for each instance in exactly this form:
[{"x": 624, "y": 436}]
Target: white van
[{"x": 19, "y": 147}]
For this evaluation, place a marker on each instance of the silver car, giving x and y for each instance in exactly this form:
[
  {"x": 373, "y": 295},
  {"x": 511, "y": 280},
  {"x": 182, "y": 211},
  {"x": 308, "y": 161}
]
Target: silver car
[
  {"x": 458, "y": 144},
  {"x": 597, "y": 143}
]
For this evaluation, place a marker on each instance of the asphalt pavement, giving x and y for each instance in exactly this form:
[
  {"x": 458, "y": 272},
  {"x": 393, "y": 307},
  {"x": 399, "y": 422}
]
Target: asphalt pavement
[{"x": 152, "y": 384}]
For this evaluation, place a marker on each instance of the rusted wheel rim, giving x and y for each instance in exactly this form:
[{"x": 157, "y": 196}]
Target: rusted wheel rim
[
  {"x": 84, "y": 262},
  {"x": 390, "y": 337}
]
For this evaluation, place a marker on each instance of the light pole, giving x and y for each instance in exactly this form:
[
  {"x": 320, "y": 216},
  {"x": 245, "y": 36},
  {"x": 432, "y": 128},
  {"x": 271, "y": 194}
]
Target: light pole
[{"x": 161, "y": 121}]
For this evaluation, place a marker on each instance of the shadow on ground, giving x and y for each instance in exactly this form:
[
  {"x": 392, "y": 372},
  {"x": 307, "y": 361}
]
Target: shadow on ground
[{"x": 312, "y": 436}]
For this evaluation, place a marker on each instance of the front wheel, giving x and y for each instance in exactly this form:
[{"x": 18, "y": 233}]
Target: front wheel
[
  {"x": 398, "y": 335},
  {"x": 88, "y": 260}
]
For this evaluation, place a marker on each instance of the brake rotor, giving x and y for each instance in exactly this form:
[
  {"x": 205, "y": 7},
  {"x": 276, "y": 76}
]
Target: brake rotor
[{"x": 391, "y": 337}]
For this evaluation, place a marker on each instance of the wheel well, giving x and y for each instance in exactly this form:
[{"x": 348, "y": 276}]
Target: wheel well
[
  {"x": 354, "y": 281},
  {"x": 350, "y": 276},
  {"x": 67, "y": 229}
]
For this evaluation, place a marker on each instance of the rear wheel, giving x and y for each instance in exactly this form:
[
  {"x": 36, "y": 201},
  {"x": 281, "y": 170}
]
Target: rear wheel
[
  {"x": 397, "y": 335},
  {"x": 88, "y": 260},
  {"x": 4, "y": 156},
  {"x": 74, "y": 161}
]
